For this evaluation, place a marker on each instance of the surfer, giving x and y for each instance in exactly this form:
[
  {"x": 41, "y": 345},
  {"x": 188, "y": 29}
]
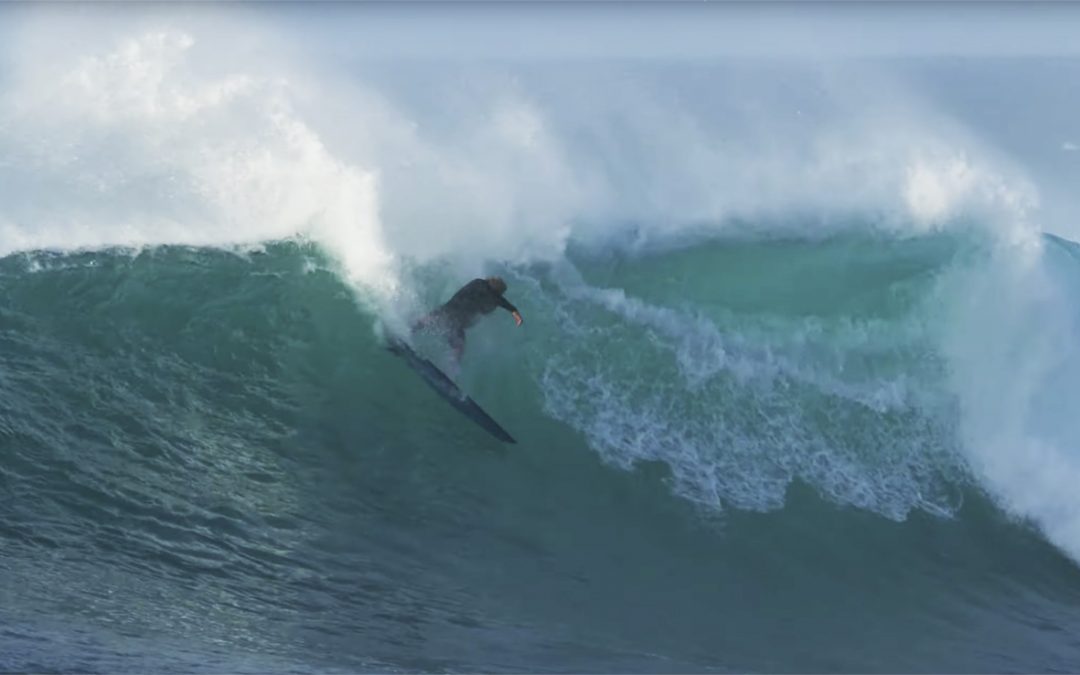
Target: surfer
[{"x": 474, "y": 299}]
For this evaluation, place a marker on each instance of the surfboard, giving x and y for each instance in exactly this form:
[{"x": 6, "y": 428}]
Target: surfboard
[{"x": 446, "y": 388}]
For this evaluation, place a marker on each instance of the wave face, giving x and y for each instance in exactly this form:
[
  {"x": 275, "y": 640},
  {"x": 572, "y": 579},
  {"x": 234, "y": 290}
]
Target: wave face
[
  {"x": 794, "y": 393},
  {"x": 208, "y": 454}
]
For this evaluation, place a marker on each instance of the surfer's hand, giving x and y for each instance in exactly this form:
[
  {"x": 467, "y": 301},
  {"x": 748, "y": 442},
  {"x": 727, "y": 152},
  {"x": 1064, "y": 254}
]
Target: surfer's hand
[{"x": 517, "y": 318}]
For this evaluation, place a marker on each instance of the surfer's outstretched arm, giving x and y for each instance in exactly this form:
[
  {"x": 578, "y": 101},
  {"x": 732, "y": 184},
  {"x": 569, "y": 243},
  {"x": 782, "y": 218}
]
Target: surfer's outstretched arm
[{"x": 508, "y": 306}]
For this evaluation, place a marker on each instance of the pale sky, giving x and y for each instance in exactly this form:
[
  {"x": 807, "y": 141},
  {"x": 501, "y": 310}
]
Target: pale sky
[
  {"x": 693, "y": 29},
  {"x": 534, "y": 30}
]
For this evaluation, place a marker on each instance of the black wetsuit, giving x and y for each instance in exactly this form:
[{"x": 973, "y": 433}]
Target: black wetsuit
[{"x": 475, "y": 299}]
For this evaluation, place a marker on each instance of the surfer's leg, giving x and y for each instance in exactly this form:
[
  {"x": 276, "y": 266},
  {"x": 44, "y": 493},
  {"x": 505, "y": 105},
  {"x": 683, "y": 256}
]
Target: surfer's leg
[
  {"x": 456, "y": 338},
  {"x": 433, "y": 320},
  {"x": 421, "y": 323}
]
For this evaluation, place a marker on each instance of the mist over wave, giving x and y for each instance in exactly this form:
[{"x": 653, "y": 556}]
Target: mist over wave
[{"x": 149, "y": 139}]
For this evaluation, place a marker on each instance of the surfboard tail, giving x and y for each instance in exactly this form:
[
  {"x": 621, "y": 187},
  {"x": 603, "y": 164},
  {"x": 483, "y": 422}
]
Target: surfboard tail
[{"x": 445, "y": 387}]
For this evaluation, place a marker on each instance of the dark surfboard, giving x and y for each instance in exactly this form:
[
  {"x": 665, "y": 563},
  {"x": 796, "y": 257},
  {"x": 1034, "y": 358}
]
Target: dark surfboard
[{"x": 446, "y": 388}]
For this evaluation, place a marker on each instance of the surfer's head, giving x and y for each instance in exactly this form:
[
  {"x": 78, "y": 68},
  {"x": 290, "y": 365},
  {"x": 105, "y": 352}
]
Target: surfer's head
[{"x": 498, "y": 284}]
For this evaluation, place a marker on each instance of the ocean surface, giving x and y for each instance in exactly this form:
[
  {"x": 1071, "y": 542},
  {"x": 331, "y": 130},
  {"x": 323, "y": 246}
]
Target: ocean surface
[{"x": 796, "y": 390}]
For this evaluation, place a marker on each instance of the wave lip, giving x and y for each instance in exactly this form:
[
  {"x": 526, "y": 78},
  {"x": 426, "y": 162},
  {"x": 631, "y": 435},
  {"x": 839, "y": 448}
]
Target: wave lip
[{"x": 1010, "y": 342}]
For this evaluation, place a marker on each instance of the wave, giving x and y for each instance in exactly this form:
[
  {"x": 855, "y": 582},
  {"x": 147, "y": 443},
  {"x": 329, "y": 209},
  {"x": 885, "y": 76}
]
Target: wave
[
  {"x": 951, "y": 366},
  {"x": 224, "y": 432}
]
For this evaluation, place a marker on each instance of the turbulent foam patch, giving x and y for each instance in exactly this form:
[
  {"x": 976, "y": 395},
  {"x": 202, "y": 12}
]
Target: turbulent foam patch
[{"x": 738, "y": 420}]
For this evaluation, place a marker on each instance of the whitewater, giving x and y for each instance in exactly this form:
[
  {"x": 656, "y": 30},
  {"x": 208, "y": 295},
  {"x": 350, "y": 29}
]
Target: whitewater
[{"x": 795, "y": 389}]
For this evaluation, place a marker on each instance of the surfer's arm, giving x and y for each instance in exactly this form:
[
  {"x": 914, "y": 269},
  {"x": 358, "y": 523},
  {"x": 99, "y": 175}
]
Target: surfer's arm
[{"x": 506, "y": 304}]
